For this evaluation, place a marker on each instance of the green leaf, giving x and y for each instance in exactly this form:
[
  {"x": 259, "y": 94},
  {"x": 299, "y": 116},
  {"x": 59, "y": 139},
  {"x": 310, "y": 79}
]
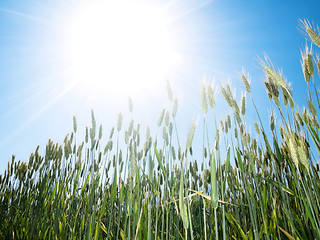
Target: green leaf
[
  {"x": 284, "y": 188},
  {"x": 315, "y": 137},
  {"x": 227, "y": 164},
  {"x": 235, "y": 225},
  {"x": 182, "y": 206},
  {"x": 240, "y": 161},
  {"x": 160, "y": 161},
  {"x": 114, "y": 186},
  {"x": 250, "y": 234},
  {"x": 214, "y": 187}
]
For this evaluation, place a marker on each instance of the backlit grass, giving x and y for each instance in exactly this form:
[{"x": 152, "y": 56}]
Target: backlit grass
[{"x": 243, "y": 185}]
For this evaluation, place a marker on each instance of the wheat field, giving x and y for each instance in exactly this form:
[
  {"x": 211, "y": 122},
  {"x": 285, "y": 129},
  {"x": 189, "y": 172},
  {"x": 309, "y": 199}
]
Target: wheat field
[{"x": 244, "y": 185}]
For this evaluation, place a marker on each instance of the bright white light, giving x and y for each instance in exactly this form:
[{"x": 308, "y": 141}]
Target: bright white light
[{"x": 120, "y": 47}]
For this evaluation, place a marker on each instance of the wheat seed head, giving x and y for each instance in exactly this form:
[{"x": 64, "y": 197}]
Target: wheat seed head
[
  {"x": 246, "y": 80},
  {"x": 310, "y": 30}
]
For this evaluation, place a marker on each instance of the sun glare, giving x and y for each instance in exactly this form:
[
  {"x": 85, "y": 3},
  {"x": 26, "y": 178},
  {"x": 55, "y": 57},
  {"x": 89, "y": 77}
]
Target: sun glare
[{"x": 120, "y": 47}]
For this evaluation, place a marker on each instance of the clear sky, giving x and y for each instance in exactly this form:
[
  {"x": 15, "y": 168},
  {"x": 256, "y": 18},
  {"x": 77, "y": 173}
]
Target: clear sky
[{"x": 43, "y": 57}]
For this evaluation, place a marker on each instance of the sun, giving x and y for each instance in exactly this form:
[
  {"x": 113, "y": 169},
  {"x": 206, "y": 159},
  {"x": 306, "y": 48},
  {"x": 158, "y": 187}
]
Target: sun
[{"x": 120, "y": 47}]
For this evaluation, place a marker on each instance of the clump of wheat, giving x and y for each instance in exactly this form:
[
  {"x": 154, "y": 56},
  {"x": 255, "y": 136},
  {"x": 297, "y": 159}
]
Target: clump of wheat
[
  {"x": 306, "y": 26},
  {"x": 261, "y": 186}
]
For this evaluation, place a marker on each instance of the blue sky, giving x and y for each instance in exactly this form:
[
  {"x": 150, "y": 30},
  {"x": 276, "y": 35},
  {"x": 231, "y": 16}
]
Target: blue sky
[{"x": 214, "y": 38}]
